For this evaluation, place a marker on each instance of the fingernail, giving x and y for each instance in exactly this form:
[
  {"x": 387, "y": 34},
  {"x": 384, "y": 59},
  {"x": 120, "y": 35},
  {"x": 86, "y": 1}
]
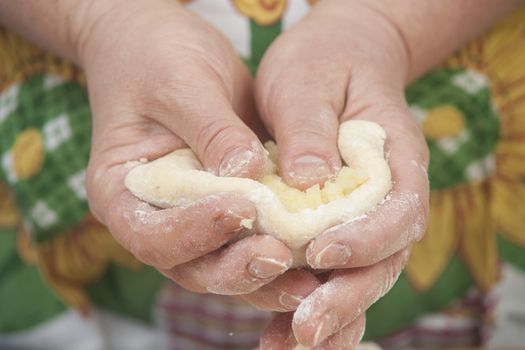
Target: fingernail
[
  {"x": 266, "y": 267},
  {"x": 335, "y": 254},
  {"x": 289, "y": 302},
  {"x": 233, "y": 163},
  {"x": 232, "y": 223},
  {"x": 329, "y": 325},
  {"x": 310, "y": 167}
]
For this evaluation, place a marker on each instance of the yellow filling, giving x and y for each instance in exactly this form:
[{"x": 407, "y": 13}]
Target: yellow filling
[{"x": 295, "y": 200}]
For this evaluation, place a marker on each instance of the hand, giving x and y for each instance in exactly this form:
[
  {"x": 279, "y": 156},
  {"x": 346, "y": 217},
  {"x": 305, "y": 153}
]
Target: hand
[
  {"x": 333, "y": 66},
  {"x": 159, "y": 79}
]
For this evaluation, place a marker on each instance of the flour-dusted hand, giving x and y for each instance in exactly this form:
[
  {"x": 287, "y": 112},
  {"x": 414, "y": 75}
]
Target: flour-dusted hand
[
  {"x": 351, "y": 59},
  {"x": 292, "y": 216},
  {"x": 160, "y": 78},
  {"x": 314, "y": 77}
]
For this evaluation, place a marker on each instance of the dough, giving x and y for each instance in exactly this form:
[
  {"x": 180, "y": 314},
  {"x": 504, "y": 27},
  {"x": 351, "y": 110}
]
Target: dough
[{"x": 179, "y": 179}]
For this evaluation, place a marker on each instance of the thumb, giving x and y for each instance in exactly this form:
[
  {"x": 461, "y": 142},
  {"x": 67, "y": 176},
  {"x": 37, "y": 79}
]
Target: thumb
[
  {"x": 202, "y": 114},
  {"x": 301, "y": 110}
]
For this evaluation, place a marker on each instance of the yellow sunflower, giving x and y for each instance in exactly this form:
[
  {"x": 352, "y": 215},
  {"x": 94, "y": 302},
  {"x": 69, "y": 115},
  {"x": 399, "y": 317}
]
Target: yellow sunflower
[
  {"x": 73, "y": 260},
  {"x": 465, "y": 217},
  {"x": 19, "y": 59},
  {"x": 9, "y": 216},
  {"x": 70, "y": 261},
  {"x": 263, "y": 12}
]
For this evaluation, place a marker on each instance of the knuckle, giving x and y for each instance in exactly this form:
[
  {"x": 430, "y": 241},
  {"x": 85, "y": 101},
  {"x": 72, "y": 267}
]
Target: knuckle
[
  {"x": 174, "y": 94},
  {"x": 393, "y": 268},
  {"x": 275, "y": 97},
  {"x": 144, "y": 253},
  {"x": 183, "y": 92},
  {"x": 152, "y": 253},
  {"x": 415, "y": 216},
  {"x": 214, "y": 134},
  {"x": 316, "y": 122},
  {"x": 338, "y": 341},
  {"x": 311, "y": 129},
  {"x": 194, "y": 246},
  {"x": 185, "y": 280}
]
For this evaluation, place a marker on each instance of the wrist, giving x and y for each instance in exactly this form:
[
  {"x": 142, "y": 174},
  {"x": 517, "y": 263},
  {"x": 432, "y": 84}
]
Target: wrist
[
  {"x": 91, "y": 22},
  {"x": 375, "y": 40},
  {"x": 61, "y": 26},
  {"x": 434, "y": 29},
  {"x": 98, "y": 25}
]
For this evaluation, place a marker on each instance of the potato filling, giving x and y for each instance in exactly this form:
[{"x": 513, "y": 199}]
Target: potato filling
[{"x": 294, "y": 200}]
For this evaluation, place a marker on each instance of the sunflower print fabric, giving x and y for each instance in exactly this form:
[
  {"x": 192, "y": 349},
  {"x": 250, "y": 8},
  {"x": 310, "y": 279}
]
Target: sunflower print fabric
[
  {"x": 45, "y": 132},
  {"x": 471, "y": 111},
  {"x": 474, "y": 122}
]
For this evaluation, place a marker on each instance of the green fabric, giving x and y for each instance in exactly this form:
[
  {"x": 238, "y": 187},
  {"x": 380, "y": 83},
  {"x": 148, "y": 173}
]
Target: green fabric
[
  {"x": 439, "y": 88},
  {"x": 128, "y": 292},
  {"x": 49, "y": 201},
  {"x": 470, "y": 94},
  {"x": 261, "y": 39},
  {"x": 402, "y": 305},
  {"x": 25, "y": 299},
  {"x": 60, "y": 111},
  {"x": 511, "y": 253}
]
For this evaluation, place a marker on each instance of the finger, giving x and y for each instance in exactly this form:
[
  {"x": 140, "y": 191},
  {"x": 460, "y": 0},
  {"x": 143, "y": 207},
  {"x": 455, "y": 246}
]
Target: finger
[
  {"x": 121, "y": 137},
  {"x": 285, "y": 293},
  {"x": 300, "y": 104},
  {"x": 202, "y": 109},
  {"x": 402, "y": 218},
  {"x": 377, "y": 95},
  {"x": 167, "y": 237},
  {"x": 396, "y": 223},
  {"x": 241, "y": 268},
  {"x": 347, "y": 338},
  {"x": 346, "y": 295},
  {"x": 278, "y": 334}
]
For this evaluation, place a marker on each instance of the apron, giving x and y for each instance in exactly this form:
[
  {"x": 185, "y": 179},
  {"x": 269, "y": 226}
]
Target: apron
[{"x": 462, "y": 285}]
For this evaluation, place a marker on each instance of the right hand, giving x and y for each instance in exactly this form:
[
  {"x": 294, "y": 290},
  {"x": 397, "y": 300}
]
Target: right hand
[
  {"x": 159, "y": 78},
  {"x": 343, "y": 61}
]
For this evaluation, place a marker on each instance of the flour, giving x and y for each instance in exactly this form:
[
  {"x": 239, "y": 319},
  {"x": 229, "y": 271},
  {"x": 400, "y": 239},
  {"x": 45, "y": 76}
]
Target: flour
[{"x": 178, "y": 178}]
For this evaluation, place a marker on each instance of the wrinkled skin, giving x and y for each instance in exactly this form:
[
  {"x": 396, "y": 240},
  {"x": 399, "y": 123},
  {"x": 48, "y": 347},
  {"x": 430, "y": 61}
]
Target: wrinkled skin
[
  {"x": 305, "y": 87},
  {"x": 160, "y": 78},
  {"x": 192, "y": 90},
  {"x": 177, "y": 84},
  {"x": 351, "y": 60}
]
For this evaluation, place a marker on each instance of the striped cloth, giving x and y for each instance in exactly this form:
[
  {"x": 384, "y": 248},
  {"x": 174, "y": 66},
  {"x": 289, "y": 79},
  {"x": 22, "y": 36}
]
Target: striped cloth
[{"x": 208, "y": 322}]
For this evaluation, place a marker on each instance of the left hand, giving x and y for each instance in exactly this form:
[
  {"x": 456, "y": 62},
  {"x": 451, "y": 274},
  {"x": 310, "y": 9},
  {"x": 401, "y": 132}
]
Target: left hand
[
  {"x": 160, "y": 78},
  {"x": 333, "y": 66}
]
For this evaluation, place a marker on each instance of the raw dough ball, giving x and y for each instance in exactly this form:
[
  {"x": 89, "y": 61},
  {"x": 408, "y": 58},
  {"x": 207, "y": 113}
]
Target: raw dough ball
[{"x": 293, "y": 216}]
